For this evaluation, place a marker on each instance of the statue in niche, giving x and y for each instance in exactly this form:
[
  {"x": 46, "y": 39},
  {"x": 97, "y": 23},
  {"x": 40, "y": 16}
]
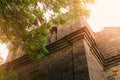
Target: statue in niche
[{"x": 53, "y": 36}]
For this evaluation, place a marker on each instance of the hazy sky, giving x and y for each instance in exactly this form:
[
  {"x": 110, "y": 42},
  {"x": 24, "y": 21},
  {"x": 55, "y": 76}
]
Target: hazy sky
[{"x": 105, "y": 13}]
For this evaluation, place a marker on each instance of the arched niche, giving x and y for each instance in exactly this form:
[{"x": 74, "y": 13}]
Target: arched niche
[
  {"x": 52, "y": 35},
  {"x": 53, "y": 29}
]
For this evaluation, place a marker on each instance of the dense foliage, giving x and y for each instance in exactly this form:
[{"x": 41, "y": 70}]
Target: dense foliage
[
  {"x": 7, "y": 75},
  {"x": 25, "y": 23}
]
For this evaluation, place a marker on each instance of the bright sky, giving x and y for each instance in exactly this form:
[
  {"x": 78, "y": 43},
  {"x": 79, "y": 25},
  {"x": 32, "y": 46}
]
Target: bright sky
[
  {"x": 104, "y": 13},
  {"x": 3, "y": 51}
]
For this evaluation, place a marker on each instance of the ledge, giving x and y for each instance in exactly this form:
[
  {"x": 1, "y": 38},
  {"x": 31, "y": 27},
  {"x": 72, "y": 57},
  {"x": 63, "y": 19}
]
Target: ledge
[
  {"x": 66, "y": 41},
  {"x": 112, "y": 61}
]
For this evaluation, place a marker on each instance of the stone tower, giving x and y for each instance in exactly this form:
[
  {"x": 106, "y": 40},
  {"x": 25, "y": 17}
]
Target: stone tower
[{"x": 75, "y": 53}]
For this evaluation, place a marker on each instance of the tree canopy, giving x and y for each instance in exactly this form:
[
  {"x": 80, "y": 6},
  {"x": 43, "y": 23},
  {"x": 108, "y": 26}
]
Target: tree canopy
[{"x": 25, "y": 23}]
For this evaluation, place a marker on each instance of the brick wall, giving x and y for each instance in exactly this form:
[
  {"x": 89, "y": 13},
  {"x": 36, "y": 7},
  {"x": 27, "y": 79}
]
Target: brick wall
[
  {"x": 108, "y": 41},
  {"x": 56, "y": 66},
  {"x": 96, "y": 70},
  {"x": 69, "y": 63},
  {"x": 113, "y": 73}
]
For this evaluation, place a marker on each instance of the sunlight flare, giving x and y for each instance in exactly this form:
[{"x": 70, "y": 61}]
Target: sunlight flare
[
  {"x": 104, "y": 13},
  {"x": 3, "y": 51}
]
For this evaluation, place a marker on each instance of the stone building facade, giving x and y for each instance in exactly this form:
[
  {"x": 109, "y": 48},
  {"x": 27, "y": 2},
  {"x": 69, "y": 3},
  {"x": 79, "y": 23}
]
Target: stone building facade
[{"x": 75, "y": 53}]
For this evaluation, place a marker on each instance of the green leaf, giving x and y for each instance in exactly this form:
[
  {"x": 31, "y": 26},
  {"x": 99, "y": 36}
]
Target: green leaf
[{"x": 23, "y": 22}]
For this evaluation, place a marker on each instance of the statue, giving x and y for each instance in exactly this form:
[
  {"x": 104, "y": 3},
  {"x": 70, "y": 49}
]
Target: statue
[{"x": 53, "y": 36}]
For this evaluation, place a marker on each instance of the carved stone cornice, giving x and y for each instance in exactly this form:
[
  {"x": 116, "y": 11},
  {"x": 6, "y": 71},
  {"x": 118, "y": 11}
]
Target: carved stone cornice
[
  {"x": 66, "y": 41},
  {"x": 112, "y": 61}
]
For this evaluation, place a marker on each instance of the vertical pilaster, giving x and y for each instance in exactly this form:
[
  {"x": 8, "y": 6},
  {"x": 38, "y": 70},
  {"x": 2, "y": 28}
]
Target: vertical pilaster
[{"x": 80, "y": 61}]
